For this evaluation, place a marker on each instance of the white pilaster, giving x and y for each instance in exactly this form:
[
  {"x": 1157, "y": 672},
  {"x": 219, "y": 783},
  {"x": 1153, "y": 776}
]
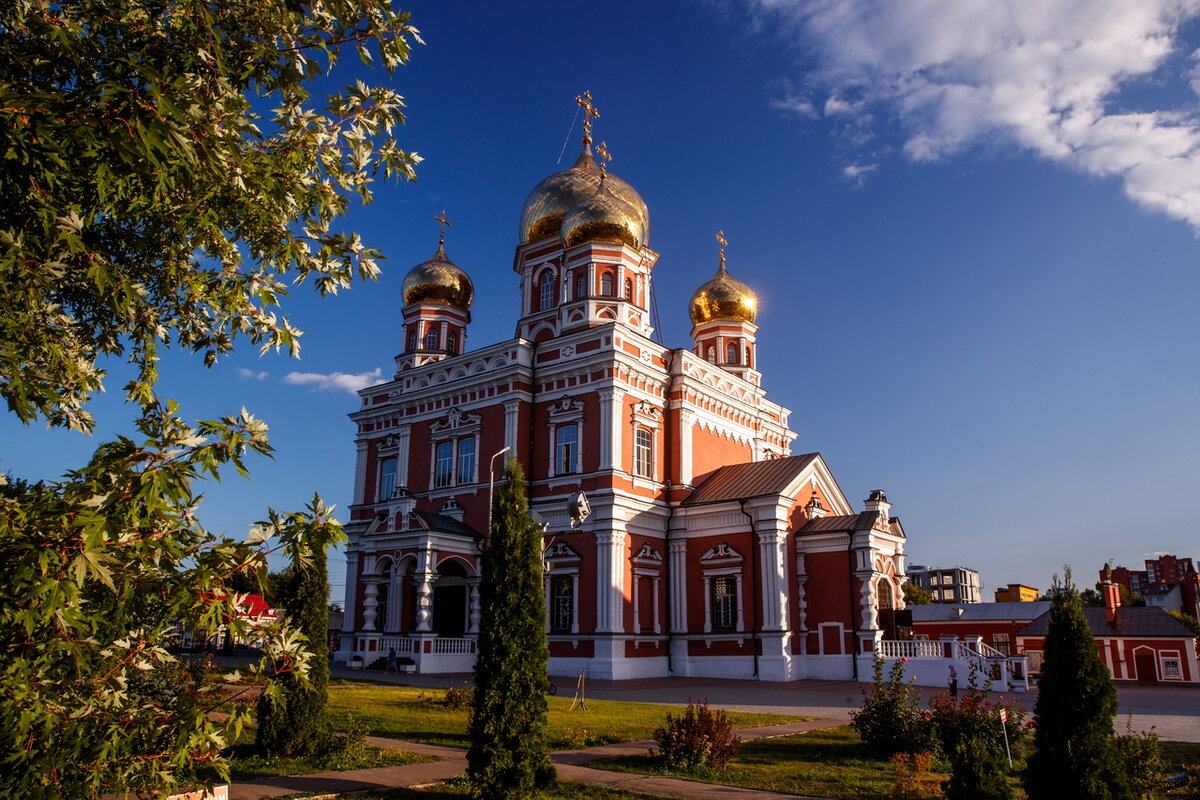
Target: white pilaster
[
  {"x": 677, "y": 583},
  {"x": 771, "y": 546},
  {"x": 403, "y": 436},
  {"x": 351, "y": 604},
  {"x": 686, "y": 421},
  {"x": 610, "y": 581},
  {"x": 611, "y": 424},
  {"x": 512, "y": 410},
  {"x": 360, "y": 472}
]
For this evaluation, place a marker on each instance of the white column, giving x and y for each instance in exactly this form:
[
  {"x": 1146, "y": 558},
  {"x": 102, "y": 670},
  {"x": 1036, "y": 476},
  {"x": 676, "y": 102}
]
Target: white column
[
  {"x": 512, "y": 409},
  {"x": 546, "y": 585},
  {"x": 686, "y": 422},
  {"x": 741, "y": 620},
  {"x": 392, "y": 618},
  {"x": 801, "y": 600},
  {"x": 360, "y": 472},
  {"x": 637, "y": 623},
  {"x": 370, "y": 602},
  {"x": 575, "y": 602},
  {"x": 425, "y": 590},
  {"x": 610, "y": 581},
  {"x": 677, "y": 583},
  {"x": 773, "y": 579},
  {"x": 708, "y": 604},
  {"x": 402, "y": 440},
  {"x": 351, "y": 605},
  {"x": 473, "y": 613},
  {"x": 611, "y": 423},
  {"x": 654, "y": 586}
]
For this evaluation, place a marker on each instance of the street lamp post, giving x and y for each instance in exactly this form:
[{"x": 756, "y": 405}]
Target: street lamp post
[{"x": 491, "y": 488}]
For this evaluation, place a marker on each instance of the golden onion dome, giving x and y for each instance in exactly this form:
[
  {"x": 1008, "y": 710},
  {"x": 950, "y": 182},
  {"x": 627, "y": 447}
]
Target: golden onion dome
[
  {"x": 724, "y": 297},
  {"x": 551, "y": 199},
  {"x": 603, "y": 217},
  {"x": 440, "y": 281}
]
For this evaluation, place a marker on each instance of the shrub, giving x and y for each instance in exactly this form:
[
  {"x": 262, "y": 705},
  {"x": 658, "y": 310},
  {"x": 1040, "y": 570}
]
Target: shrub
[
  {"x": 1141, "y": 756},
  {"x": 699, "y": 739},
  {"x": 890, "y": 720},
  {"x": 971, "y": 737},
  {"x": 910, "y": 775},
  {"x": 579, "y": 738}
]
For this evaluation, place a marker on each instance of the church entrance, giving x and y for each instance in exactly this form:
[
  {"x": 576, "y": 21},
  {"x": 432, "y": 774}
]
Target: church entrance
[{"x": 450, "y": 611}]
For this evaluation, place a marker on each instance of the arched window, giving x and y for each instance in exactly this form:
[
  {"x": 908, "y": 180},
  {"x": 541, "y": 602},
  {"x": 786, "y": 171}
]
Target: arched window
[
  {"x": 431, "y": 338},
  {"x": 731, "y": 353},
  {"x": 580, "y": 286},
  {"x": 643, "y": 453},
  {"x": 412, "y": 339},
  {"x": 628, "y": 289},
  {"x": 452, "y": 342},
  {"x": 546, "y": 291},
  {"x": 466, "y": 460},
  {"x": 606, "y": 285},
  {"x": 712, "y": 354}
]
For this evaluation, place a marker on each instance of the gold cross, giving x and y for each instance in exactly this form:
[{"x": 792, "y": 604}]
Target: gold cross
[
  {"x": 721, "y": 240},
  {"x": 442, "y": 221},
  {"x": 605, "y": 157},
  {"x": 589, "y": 113}
]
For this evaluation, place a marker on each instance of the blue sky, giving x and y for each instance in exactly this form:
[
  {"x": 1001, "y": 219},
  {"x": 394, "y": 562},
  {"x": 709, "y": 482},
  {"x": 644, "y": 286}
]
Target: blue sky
[{"x": 972, "y": 227}]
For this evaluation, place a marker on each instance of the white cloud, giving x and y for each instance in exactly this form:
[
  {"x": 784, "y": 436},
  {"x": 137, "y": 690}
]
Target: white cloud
[
  {"x": 251, "y": 375},
  {"x": 857, "y": 173},
  {"x": 1046, "y": 75},
  {"x": 338, "y": 381}
]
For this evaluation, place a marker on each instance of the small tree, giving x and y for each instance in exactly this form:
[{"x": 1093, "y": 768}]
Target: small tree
[
  {"x": 890, "y": 720},
  {"x": 916, "y": 596},
  {"x": 292, "y": 718},
  {"x": 1076, "y": 705},
  {"x": 507, "y": 757}
]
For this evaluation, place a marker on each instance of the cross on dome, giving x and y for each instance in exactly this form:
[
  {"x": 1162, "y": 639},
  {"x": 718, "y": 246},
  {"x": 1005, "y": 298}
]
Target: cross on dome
[
  {"x": 589, "y": 113},
  {"x": 722, "y": 241},
  {"x": 443, "y": 222}
]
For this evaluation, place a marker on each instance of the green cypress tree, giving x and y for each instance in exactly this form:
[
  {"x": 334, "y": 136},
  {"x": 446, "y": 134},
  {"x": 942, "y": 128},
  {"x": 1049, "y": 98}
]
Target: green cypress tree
[
  {"x": 1077, "y": 702},
  {"x": 292, "y": 716},
  {"x": 507, "y": 757}
]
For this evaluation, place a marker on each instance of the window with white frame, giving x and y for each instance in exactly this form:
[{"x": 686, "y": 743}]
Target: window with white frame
[
  {"x": 466, "y": 460},
  {"x": 724, "y": 602},
  {"x": 431, "y": 338},
  {"x": 412, "y": 339},
  {"x": 606, "y": 285},
  {"x": 546, "y": 291},
  {"x": 387, "y": 478},
  {"x": 452, "y": 342},
  {"x": 566, "y": 449},
  {"x": 1172, "y": 668},
  {"x": 731, "y": 353},
  {"x": 1001, "y": 642},
  {"x": 643, "y": 453},
  {"x": 628, "y": 289},
  {"x": 580, "y": 286},
  {"x": 443, "y": 470},
  {"x": 712, "y": 354},
  {"x": 562, "y": 603}
]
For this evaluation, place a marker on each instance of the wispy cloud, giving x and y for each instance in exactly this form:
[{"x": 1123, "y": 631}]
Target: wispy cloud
[
  {"x": 336, "y": 381},
  {"x": 251, "y": 375},
  {"x": 857, "y": 173},
  {"x": 1050, "y": 76}
]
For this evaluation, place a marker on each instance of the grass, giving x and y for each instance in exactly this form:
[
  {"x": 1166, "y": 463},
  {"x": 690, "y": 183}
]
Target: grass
[
  {"x": 563, "y": 790},
  {"x": 403, "y": 712},
  {"x": 833, "y": 762},
  {"x": 246, "y": 764}
]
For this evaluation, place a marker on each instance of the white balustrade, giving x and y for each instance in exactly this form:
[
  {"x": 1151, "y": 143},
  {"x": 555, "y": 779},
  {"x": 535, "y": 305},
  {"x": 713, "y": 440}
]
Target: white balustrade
[{"x": 454, "y": 647}]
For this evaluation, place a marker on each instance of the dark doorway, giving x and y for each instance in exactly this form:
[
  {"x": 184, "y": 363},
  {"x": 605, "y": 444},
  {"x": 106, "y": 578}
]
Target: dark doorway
[
  {"x": 450, "y": 611},
  {"x": 1147, "y": 673}
]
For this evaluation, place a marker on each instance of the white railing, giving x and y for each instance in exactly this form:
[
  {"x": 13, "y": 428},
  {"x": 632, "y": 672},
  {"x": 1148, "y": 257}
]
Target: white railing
[
  {"x": 454, "y": 647},
  {"x": 403, "y": 645},
  {"x": 917, "y": 648},
  {"x": 987, "y": 651}
]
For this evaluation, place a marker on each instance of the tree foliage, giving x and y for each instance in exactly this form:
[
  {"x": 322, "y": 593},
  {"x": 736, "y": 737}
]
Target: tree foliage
[
  {"x": 97, "y": 571},
  {"x": 166, "y": 168},
  {"x": 1073, "y": 716},
  {"x": 507, "y": 758},
  {"x": 294, "y": 721},
  {"x": 916, "y": 596}
]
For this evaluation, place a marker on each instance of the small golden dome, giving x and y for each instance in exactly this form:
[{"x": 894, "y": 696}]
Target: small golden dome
[
  {"x": 551, "y": 199},
  {"x": 439, "y": 281},
  {"x": 603, "y": 218},
  {"x": 724, "y": 297}
]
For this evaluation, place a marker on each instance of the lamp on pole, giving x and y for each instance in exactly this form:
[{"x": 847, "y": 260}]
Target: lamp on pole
[{"x": 492, "y": 486}]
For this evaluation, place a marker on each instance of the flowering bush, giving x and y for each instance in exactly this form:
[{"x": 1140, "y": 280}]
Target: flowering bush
[
  {"x": 890, "y": 720},
  {"x": 578, "y": 738},
  {"x": 452, "y": 697},
  {"x": 699, "y": 739}
]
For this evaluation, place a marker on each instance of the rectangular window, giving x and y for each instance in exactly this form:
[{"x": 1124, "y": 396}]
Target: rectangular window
[
  {"x": 466, "y": 460},
  {"x": 724, "y": 603},
  {"x": 562, "y": 603},
  {"x": 443, "y": 474},
  {"x": 567, "y": 449},
  {"x": 1172, "y": 669},
  {"x": 643, "y": 463},
  {"x": 1001, "y": 642},
  {"x": 387, "y": 479}
]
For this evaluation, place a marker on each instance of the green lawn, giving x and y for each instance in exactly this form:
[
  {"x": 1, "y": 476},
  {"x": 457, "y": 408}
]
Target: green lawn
[
  {"x": 834, "y": 763},
  {"x": 564, "y": 790},
  {"x": 245, "y": 764},
  {"x": 400, "y": 712}
]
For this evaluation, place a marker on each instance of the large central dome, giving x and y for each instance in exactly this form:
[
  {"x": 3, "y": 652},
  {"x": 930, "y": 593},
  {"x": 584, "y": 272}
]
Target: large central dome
[{"x": 551, "y": 199}]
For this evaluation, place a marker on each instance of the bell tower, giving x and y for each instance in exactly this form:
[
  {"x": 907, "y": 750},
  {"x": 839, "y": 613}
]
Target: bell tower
[
  {"x": 437, "y": 307},
  {"x": 723, "y": 311}
]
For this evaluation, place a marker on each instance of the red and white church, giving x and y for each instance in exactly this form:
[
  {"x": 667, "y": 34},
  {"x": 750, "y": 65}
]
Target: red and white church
[{"x": 709, "y": 550}]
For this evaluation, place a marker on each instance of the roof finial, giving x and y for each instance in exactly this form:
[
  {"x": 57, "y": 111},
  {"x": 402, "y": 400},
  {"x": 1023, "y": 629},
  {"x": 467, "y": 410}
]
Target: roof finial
[
  {"x": 722, "y": 241},
  {"x": 605, "y": 157},
  {"x": 443, "y": 221},
  {"x": 589, "y": 113}
]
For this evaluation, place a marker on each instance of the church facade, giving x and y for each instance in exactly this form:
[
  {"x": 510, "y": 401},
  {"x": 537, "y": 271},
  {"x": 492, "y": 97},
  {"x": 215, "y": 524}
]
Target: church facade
[{"x": 709, "y": 549}]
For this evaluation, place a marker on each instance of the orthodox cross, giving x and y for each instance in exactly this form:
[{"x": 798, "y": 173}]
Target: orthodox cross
[
  {"x": 442, "y": 221},
  {"x": 589, "y": 113},
  {"x": 722, "y": 241},
  {"x": 605, "y": 157}
]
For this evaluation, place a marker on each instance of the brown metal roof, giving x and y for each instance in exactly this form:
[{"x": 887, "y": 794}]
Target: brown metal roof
[
  {"x": 861, "y": 521},
  {"x": 443, "y": 524},
  {"x": 756, "y": 479},
  {"x": 1130, "y": 621}
]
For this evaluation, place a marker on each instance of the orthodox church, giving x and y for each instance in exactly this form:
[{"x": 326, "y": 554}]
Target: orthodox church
[{"x": 681, "y": 536}]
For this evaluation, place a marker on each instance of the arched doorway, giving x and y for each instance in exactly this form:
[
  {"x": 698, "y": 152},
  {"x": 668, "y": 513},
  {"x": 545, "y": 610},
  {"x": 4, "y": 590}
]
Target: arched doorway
[
  {"x": 885, "y": 602},
  {"x": 450, "y": 596}
]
